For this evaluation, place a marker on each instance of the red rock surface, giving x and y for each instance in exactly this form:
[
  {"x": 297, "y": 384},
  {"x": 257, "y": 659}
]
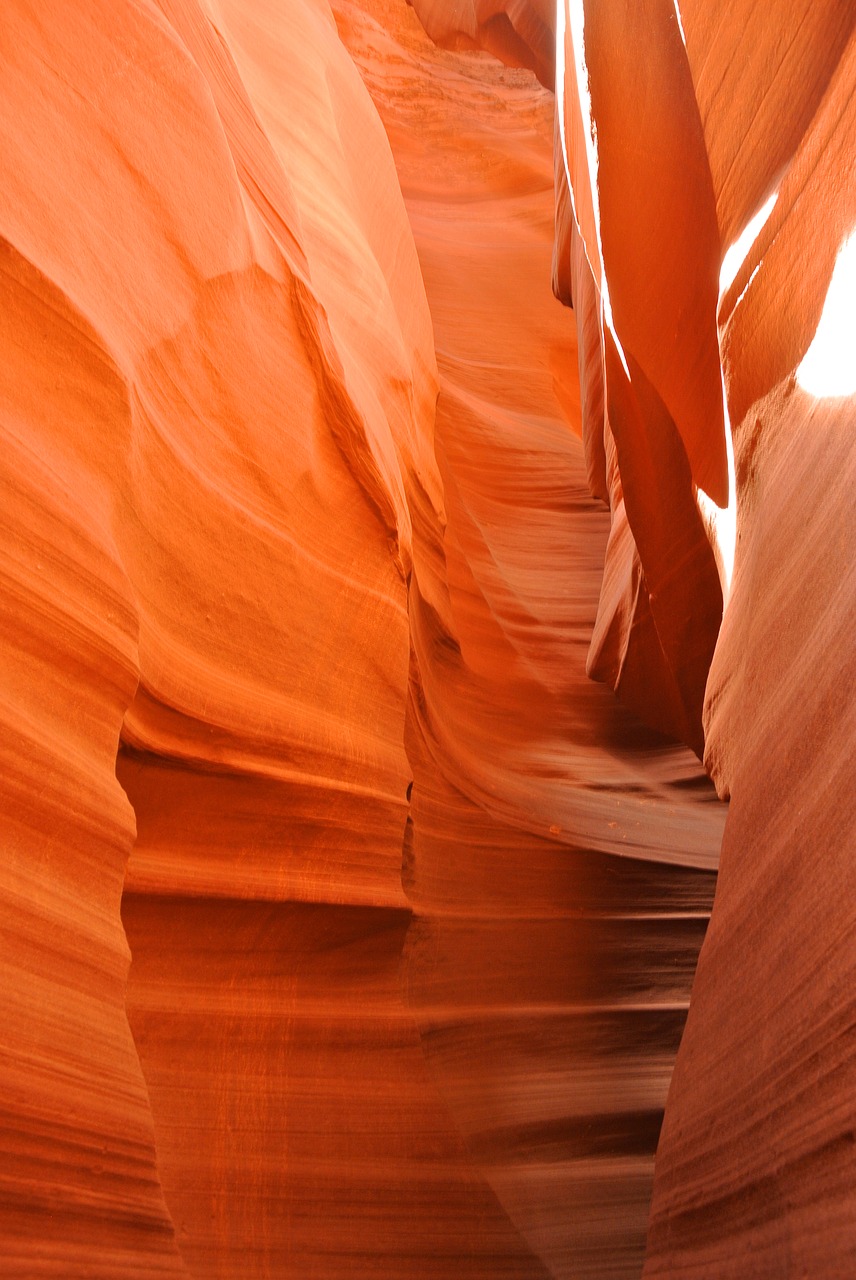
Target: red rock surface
[
  {"x": 734, "y": 129},
  {"x": 536, "y": 961},
  {"x": 521, "y": 33},
  {"x": 208, "y": 446},
  {"x": 303, "y": 573},
  {"x": 757, "y": 1166}
]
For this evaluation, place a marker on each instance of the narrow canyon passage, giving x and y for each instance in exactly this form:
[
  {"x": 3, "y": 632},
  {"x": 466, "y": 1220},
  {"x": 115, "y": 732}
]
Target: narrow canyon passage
[
  {"x": 549, "y": 977},
  {"x": 348, "y": 926},
  {"x": 467, "y": 1078}
]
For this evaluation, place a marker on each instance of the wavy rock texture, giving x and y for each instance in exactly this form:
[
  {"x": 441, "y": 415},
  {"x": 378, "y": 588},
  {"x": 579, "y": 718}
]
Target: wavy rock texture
[
  {"x": 548, "y": 977},
  {"x": 219, "y": 400},
  {"x": 645, "y": 267},
  {"x": 694, "y": 239},
  {"x": 757, "y": 1166},
  {"x": 521, "y": 33},
  {"x": 414, "y": 907},
  {"x": 211, "y": 449}
]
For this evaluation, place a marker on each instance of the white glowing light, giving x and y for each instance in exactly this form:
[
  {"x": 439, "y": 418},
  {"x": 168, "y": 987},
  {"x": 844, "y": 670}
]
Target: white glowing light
[
  {"x": 829, "y": 366},
  {"x": 608, "y": 320},
  {"x": 575, "y": 13},
  {"x": 722, "y": 521},
  {"x": 680, "y": 23},
  {"x": 560, "y": 85},
  {"x": 736, "y": 255},
  {"x": 572, "y": 12}
]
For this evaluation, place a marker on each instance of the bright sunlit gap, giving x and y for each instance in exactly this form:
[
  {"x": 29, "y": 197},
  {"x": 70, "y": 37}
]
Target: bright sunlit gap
[
  {"x": 571, "y": 13},
  {"x": 575, "y": 15},
  {"x": 680, "y": 22},
  {"x": 560, "y": 86},
  {"x": 828, "y": 367},
  {"x": 722, "y": 521},
  {"x": 738, "y": 252}
]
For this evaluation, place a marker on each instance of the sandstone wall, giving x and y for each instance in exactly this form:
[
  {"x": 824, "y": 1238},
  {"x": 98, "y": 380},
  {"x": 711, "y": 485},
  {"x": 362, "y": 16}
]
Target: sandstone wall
[
  {"x": 310, "y": 535},
  {"x": 706, "y": 204},
  {"x": 705, "y": 214}
]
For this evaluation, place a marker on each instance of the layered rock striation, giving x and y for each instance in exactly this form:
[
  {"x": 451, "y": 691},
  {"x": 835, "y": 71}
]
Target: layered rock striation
[
  {"x": 706, "y": 207},
  {"x": 548, "y": 977},
  {"x": 210, "y": 454},
  {"x": 240, "y": 572},
  {"x": 311, "y": 534}
]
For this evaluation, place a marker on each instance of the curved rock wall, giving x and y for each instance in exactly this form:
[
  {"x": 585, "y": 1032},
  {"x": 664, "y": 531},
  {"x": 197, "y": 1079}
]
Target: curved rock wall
[
  {"x": 710, "y": 155},
  {"x": 548, "y": 977},
  {"x": 521, "y": 33},
  {"x": 705, "y": 215},
  {"x": 226, "y": 497},
  {"x": 764, "y": 1085},
  {"x": 303, "y": 573},
  {"x": 211, "y": 449}
]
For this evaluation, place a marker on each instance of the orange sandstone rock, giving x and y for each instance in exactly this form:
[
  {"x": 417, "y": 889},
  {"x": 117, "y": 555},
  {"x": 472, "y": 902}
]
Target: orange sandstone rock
[
  {"x": 536, "y": 962},
  {"x": 705, "y": 199},
  {"x": 520, "y": 33},
  {"x": 755, "y": 1172},
  {"x": 755, "y": 1165},
  {"x": 414, "y": 907},
  {"x": 225, "y": 495},
  {"x": 210, "y": 454}
]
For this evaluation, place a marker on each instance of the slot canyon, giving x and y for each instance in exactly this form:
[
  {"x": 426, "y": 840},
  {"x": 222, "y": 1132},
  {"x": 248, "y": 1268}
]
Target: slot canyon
[{"x": 428, "y": 665}]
